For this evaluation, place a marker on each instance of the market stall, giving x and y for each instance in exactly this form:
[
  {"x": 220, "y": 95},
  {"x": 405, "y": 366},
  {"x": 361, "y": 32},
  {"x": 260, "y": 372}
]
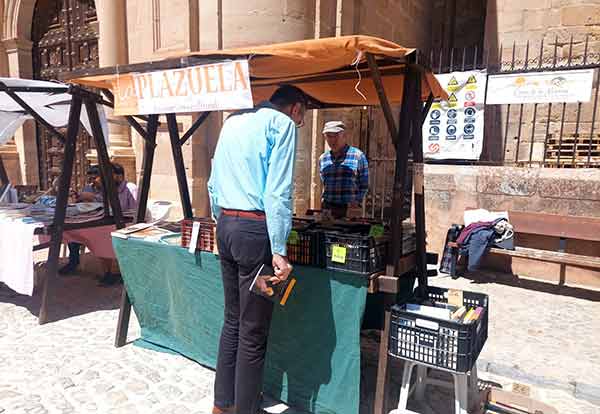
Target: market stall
[
  {"x": 58, "y": 108},
  {"x": 177, "y": 295}
]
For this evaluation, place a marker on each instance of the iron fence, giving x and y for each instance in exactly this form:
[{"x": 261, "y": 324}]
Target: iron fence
[{"x": 545, "y": 135}]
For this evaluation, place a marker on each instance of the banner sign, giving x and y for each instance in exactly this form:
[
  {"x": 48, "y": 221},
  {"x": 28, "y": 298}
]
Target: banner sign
[
  {"x": 541, "y": 87},
  {"x": 213, "y": 87},
  {"x": 454, "y": 129}
]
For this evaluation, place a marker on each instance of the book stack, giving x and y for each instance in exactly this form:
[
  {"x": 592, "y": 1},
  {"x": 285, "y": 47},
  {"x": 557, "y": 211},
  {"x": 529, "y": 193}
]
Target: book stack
[{"x": 444, "y": 311}]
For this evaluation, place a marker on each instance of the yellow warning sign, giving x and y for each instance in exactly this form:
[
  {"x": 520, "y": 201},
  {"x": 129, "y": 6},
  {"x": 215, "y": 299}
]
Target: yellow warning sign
[
  {"x": 472, "y": 79},
  {"x": 453, "y": 81},
  {"x": 452, "y": 98}
]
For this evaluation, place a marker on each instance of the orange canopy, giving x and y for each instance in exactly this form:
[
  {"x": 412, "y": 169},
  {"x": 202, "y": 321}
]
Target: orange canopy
[{"x": 332, "y": 71}]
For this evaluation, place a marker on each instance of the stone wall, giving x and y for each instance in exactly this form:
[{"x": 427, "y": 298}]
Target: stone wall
[
  {"x": 519, "y": 21},
  {"x": 449, "y": 190},
  {"x": 407, "y": 22},
  {"x": 513, "y": 24}
]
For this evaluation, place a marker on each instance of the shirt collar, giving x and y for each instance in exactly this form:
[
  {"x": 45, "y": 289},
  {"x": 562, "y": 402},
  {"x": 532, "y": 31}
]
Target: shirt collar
[
  {"x": 342, "y": 155},
  {"x": 266, "y": 104}
]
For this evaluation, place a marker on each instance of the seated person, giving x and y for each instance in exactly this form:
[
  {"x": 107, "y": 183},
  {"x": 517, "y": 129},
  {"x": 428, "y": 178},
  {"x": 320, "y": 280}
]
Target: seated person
[
  {"x": 127, "y": 194},
  {"x": 127, "y": 191},
  {"x": 91, "y": 192}
]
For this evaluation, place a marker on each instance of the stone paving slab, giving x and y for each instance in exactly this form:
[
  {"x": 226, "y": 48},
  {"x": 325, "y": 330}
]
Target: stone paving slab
[
  {"x": 71, "y": 365},
  {"x": 546, "y": 339}
]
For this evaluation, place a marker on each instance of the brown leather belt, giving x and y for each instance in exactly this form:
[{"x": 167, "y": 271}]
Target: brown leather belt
[{"x": 254, "y": 215}]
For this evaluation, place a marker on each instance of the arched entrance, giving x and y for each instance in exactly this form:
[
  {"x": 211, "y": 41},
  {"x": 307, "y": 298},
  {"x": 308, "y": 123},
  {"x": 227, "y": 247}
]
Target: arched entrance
[{"x": 65, "y": 38}]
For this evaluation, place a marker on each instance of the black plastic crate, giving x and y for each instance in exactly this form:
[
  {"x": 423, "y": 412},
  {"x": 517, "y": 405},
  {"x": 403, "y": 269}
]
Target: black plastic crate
[
  {"x": 363, "y": 254},
  {"x": 448, "y": 345},
  {"x": 307, "y": 249}
]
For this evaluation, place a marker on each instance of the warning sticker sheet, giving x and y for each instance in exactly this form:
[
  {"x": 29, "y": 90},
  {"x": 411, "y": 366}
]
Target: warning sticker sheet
[{"x": 453, "y": 129}]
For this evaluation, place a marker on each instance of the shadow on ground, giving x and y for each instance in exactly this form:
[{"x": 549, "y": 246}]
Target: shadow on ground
[
  {"x": 530, "y": 284},
  {"x": 68, "y": 296}
]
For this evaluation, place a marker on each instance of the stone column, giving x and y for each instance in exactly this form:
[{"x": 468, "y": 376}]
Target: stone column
[
  {"x": 23, "y": 151},
  {"x": 112, "y": 47}
]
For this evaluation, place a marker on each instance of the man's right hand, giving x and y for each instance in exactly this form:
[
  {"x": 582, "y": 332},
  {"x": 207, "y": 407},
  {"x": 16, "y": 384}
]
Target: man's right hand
[{"x": 281, "y": 266}]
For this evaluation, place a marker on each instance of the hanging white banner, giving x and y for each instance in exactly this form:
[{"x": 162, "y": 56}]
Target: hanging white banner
[
  {"x": 213, "y": 87},
  {"x": 454, "y": 129},
  {"x": 541, "y": 87}
]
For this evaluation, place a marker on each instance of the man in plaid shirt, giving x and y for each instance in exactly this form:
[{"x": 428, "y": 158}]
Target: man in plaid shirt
[{"x": 344, "y": 172}]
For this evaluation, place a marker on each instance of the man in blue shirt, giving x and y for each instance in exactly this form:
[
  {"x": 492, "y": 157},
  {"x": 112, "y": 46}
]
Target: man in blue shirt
[
  {"x": 344, "y": 172},
  {"x": 250, "y": 189}
]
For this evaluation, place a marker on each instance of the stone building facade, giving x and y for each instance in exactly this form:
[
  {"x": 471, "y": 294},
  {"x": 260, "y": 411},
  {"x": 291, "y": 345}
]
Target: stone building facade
[
  {"x": 142, "y": 30},
  {"x": 130, "y": 31},
  {"x": 523, "y": 187}
]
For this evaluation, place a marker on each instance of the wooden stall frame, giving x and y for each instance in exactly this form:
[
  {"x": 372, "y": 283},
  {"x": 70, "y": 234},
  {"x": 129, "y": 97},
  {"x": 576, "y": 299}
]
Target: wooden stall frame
[
  {"x": 80, "y": 98},
  {"x": 407, "y": 136}
]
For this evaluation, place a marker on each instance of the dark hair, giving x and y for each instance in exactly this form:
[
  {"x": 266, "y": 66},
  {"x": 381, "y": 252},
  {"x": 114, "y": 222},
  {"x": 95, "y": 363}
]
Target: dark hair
[
  {"x": 288, "y": 95},
  {"x": 93, "y": 170},
  {"x": 118, "y": 169}
]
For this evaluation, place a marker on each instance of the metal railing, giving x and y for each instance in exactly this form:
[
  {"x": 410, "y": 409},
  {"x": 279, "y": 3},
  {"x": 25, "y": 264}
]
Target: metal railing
[{"x": 546, "y": 135}]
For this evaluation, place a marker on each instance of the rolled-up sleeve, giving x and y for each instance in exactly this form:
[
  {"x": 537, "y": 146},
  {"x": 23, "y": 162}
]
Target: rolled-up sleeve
[{"x": 279, "y": 184}]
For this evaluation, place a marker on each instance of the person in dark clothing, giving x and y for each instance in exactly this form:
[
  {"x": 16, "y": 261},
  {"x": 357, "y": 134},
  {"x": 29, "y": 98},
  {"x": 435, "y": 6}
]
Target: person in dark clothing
[
  {"x": 252, "y": 204},
  {"x": 92, "y": 192}
]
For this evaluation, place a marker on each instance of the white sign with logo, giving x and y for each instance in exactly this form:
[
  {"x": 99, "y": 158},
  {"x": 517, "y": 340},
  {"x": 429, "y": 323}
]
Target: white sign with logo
[
  {"x": 541, "y": 87},
  {"x": 454, "y": 129}
]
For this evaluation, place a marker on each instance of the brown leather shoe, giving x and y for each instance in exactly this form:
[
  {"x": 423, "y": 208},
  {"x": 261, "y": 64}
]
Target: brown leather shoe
[{"x": 217, "y": 410}]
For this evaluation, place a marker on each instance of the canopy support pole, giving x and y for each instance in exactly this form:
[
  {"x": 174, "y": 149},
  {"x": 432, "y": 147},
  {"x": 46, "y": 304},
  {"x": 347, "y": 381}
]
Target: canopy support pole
[
  {"x": 132, "y": 121},
  {"x": 399, "y": 137},
  {"x": 404, "y": 138},
  {"x": 144, "y": 190},
  {"x": 104, "y": 162},
  {"x": 419, "y": 178},
  {"x": 138, "y": 128},
  {"x": 3, "y": 177},
  {"x": 426, "y": 108},
  {"x": 61, "y": 204},
  {"x": 383, "y": 100},
  {"x": 194, "y": 127},
  {"x": 184, "y": 191}
]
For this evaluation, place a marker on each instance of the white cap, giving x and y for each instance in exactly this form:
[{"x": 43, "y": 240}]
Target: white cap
[{"x": 333, "y": 127}]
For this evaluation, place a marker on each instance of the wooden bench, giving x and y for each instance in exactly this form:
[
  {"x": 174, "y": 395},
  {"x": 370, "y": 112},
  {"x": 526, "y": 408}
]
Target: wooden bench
[{"x": 549, "y": 225}]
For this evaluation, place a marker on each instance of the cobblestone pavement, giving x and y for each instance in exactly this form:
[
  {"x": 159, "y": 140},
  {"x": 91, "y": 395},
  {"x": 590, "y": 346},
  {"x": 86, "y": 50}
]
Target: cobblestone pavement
[{"x": 71, "y": 365}]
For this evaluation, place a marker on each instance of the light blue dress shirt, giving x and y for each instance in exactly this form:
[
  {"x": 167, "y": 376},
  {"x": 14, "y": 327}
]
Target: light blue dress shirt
[{"x": 253, "y": 169}]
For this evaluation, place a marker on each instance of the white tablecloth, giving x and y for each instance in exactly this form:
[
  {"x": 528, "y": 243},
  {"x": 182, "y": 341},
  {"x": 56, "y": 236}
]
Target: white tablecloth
[{"x": 16, "y": 255}]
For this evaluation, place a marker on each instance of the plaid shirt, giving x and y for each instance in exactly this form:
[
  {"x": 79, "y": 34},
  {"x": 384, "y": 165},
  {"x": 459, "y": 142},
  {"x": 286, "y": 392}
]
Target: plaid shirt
[{"x": 346, "y": 178}]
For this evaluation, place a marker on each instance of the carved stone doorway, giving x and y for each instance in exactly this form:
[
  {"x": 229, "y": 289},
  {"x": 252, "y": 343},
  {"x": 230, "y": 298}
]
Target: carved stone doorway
[{"x": 65, "y": 38}]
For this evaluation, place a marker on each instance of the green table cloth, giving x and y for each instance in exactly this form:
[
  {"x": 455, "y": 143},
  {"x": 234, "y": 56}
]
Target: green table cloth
[{"x": 313, "y": 356}]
